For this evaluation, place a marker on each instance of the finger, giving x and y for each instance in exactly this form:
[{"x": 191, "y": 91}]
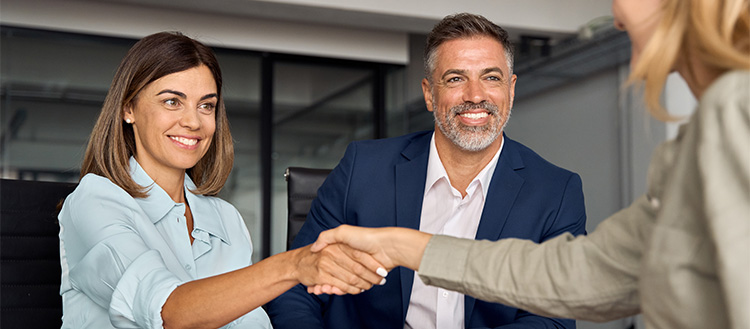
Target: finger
[
  {"x": 317, "y": 289},
  {"x": 326, "y": 238},
  {"x": 365, "y": 266},
  {"x": 338, "y": 265},
  {"x": 339, "y": 287},
  {"x": 338, "y": 291},
  {"x": 351, "y": 271}
]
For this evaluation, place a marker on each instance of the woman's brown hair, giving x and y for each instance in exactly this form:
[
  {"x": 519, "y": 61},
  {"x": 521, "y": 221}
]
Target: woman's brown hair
[{"x": 112, "y": 142}]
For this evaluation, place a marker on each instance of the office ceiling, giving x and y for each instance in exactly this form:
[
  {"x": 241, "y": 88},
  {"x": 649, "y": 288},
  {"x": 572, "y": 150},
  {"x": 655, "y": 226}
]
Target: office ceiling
[{"x": 547, "y": 18}]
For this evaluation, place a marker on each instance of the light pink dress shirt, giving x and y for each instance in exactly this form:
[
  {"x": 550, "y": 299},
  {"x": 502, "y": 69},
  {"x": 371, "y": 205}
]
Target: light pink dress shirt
[{"x": 445, "y": 212}]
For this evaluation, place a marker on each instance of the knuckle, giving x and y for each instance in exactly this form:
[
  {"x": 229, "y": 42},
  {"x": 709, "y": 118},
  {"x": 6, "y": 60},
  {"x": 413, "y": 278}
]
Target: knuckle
[{"x": 359, "y": 270}]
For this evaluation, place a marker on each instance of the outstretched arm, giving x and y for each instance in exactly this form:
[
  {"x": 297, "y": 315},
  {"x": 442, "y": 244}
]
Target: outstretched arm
[{"x": 228, "y": 296}]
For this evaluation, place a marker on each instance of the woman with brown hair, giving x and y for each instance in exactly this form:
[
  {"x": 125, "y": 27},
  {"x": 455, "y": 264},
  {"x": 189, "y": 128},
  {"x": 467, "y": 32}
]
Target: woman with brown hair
[
  {"x": 680, "y": 254},
  {"x": 144, "y": 242}
]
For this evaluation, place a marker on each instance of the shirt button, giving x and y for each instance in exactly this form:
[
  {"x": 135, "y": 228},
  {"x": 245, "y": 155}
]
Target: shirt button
[
  {"x": 445, "y": 294},
  {"x": 188, "y": 267}
]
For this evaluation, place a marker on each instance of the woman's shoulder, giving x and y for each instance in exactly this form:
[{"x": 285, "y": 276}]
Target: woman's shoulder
[
  {"x": 92, "y": 184},
  {"x": 94, "y": 190},
  {"x": 726, "y": 103},
  {"x": 731, "y": 88}
]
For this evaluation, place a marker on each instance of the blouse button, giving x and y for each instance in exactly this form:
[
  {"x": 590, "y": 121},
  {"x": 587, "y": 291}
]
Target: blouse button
[{"x": 655, "y": 203}]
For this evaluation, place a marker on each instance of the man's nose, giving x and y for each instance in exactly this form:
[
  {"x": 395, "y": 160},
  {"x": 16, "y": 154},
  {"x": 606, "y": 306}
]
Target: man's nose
[{"x": 474, "y": 92}]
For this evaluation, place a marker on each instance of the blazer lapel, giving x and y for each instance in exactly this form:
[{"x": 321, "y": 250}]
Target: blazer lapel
[
  {"x": 411, "y": 174},
  {"x": 504, "y": 188}
]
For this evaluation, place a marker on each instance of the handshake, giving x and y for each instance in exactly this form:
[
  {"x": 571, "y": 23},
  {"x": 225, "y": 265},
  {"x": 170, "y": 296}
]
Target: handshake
[{"x": 351, "y": 259}]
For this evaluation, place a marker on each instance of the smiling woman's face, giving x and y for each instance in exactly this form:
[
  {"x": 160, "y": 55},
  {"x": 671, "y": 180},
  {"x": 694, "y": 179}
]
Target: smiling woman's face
[
  {"x": 639, "y": 19},
  {"x": 174, "y": 119}
]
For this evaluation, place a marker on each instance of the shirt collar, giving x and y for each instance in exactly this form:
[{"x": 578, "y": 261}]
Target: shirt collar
[
  {"x": 158, "y": 203},
  {"x": 436, "y": 170}
]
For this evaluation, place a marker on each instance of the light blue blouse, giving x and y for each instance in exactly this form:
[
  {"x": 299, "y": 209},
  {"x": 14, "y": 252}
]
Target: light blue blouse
[{"x": 122, "y": 257}]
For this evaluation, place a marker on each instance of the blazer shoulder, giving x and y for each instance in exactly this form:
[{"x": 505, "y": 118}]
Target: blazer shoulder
[
  {"x": 392, "y": 145},
  {"x": 536, "y": 163}
]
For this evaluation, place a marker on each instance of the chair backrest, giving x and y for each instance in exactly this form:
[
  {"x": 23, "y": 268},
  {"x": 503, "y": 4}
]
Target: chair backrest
[
  {"x": 302, "y": 187},
  {"x": 30, "y": 253}
]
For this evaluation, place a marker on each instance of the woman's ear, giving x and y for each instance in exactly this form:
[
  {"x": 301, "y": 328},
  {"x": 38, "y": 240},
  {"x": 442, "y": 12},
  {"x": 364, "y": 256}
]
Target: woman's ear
[{"x": 127, "y": 114}]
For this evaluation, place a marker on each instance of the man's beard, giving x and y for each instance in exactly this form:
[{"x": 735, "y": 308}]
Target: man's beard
[{"x": 471, "y": 138}]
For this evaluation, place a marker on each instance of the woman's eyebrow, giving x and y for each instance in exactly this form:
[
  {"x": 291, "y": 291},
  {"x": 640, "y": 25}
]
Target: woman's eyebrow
[
  {"x": 168, "y": 91},
  {"x": 213, "y": 95}
]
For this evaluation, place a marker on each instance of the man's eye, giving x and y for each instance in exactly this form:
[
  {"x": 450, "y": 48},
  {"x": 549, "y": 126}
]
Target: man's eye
[
  {"x": 454, "y": 79},
  {"x": 493, "y": 78}
]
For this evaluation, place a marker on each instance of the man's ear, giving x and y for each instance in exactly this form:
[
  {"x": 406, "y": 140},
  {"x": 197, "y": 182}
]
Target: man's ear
[
  {"x": 427, "y": 92},
  {"x": 512, "y": 95}
]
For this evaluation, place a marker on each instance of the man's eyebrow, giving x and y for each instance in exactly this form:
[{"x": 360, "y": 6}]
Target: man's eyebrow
[
  {"x": 493, "y": 70},
  {"x": 453, "y": 71},
  {"x": 214, "y": 95},
  {"x": 168, "y": 91}
]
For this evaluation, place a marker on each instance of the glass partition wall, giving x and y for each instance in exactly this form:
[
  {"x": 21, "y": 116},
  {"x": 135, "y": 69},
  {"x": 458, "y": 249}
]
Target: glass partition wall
[
  {"x": 317, "y": 111},
  {"x": 283, "y": 110}
]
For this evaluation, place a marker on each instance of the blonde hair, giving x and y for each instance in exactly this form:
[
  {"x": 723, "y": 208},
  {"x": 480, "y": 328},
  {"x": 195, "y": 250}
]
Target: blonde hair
[
  {"x": 112, "y": 141},
  {"x": 715, "y": 32}
]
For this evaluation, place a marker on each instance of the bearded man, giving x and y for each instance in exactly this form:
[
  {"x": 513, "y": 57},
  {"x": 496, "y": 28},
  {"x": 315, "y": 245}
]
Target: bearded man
[{"x": 466, "y": 178}]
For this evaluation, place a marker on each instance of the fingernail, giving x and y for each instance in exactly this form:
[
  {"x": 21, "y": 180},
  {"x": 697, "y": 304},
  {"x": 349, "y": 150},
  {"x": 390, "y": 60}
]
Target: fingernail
[
  {"x": 382, "y": 282},
  {"x": 382, "y": 272},
  {"x": 362, "y": 290}
]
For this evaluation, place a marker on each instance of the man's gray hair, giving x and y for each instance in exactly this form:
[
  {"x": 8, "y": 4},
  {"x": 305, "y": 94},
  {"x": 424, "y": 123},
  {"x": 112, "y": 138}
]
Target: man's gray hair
[{"x": 463, "y": 25}]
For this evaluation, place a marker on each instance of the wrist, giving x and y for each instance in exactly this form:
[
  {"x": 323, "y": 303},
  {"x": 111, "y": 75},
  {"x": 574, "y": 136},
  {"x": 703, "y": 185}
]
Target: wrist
[
  {"x": 407, "y": 247},
  {"x": 293, "y": 264}
]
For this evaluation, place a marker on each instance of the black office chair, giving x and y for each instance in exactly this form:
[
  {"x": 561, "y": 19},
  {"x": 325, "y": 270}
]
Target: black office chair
[
  {"x": 30, "y": 253},
  {"x": 302, "y": 187}
]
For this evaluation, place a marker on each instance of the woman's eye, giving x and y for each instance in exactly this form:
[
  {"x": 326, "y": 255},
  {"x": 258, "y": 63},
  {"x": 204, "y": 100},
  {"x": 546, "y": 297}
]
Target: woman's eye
[
  {"x": 207, "y": 107},
  {"x": 171, "y": 102}
]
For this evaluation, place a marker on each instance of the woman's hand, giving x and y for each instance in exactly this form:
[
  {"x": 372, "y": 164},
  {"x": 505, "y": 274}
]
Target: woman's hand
[{"x": 338, "y": 268}]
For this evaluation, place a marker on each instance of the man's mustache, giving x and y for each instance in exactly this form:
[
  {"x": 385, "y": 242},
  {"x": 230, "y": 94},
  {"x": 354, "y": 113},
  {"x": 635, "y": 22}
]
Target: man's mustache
[{"x": 485, "y": 105}]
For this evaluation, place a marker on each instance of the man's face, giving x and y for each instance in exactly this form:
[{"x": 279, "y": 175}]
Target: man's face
[{"x": 471, "y": 92}]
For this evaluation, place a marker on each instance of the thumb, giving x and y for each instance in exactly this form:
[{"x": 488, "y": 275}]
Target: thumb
[
  {"x": 326, "y": 238},
  {"x": 318, "y": 245}
]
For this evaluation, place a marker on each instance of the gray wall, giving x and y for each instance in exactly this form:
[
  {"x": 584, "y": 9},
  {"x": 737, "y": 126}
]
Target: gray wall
[
  {"x": 576, "y": 127},
  {"x": 596, "y": 128}
]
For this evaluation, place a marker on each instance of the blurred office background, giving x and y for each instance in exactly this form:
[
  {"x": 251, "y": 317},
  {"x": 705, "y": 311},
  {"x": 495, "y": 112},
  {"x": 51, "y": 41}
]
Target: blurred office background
[{"x": 303, "y": 78}]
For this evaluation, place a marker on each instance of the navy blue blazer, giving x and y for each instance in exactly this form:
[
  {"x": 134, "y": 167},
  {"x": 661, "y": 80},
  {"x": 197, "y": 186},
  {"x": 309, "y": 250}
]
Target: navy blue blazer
[{"x": 381, "y": 183}]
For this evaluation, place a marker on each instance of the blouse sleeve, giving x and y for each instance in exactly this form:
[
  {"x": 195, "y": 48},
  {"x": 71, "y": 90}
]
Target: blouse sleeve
[
  {"x": 592, "y": 277},
  {"x": 724, "y": 167},
  {"x": 102, "y": 231}
]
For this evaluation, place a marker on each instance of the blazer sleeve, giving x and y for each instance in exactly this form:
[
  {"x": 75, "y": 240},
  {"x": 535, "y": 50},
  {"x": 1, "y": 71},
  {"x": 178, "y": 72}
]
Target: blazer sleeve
[{"x": 296, "y": 306}]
